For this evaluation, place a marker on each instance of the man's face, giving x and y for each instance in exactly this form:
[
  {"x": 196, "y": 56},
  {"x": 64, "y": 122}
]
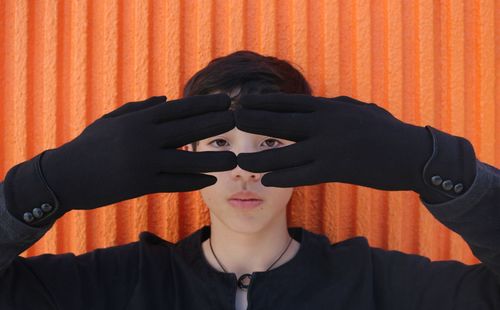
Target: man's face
[{"x": 274, "y": 199}]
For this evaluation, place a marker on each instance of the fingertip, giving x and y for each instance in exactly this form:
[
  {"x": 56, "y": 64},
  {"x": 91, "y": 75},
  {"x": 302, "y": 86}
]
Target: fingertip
[
  {"x": 242, "y": 159},
  {"x": 247, "y": 99},
  {"x": 211, "y": 180},
  {"x": 230, "y": 158},
  {"x": 234, "y": 160},
  {"x": 205, "y": 180},
  {"x": 222, "y": 98},
  {"x": 265, "y": 181}
]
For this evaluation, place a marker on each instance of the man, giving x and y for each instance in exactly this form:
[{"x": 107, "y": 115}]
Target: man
[{"x": 248, "y": 257}]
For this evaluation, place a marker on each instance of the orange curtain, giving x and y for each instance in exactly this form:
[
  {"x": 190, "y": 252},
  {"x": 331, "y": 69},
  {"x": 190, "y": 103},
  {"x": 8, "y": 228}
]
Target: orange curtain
[{"x": 65, "y": 63}]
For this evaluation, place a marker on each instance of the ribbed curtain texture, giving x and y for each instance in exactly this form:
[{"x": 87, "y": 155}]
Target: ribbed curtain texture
[{"x": 64, "y": 64}]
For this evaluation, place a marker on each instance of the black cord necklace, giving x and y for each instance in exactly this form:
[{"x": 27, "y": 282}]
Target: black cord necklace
[{"x": 241, "y": 284}]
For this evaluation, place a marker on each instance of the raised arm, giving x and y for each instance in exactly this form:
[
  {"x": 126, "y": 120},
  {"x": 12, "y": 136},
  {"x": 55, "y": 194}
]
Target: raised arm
[
  {"x": 345, "y": 140},
  {"x": 127, "y": 153},
  {"x": 407, "y": 281}
]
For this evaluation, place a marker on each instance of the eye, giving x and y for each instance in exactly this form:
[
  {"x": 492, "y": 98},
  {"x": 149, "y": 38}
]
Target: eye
[
  {"x": 223, "y": 143},
  {"x": 273, "y": 140},
  {"x": 218, "y": 140}
]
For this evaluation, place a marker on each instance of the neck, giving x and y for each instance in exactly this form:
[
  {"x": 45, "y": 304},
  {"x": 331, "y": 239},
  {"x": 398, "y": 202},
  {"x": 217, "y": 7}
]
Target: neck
[{"x": 242, "y": 252}]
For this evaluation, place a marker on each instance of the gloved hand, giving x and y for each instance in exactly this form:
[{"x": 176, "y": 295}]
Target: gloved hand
[
  {"x": 338, "y": 140},
  {"x": 127, "y": 153}
]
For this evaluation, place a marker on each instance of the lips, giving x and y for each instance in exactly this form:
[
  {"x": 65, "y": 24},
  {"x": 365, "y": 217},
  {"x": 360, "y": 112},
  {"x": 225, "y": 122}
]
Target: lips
[
  {"x": 245, "y": 199},
  {"x": 245, "y": 204},
  {"x": 245, "y": 196}
]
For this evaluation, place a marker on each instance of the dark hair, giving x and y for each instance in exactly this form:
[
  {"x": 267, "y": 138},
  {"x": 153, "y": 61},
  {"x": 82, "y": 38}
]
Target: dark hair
[{"x": 251, "y": 72}]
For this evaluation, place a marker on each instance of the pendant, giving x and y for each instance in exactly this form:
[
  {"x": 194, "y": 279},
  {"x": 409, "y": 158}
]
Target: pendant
[{"x": 242, "y": 284}]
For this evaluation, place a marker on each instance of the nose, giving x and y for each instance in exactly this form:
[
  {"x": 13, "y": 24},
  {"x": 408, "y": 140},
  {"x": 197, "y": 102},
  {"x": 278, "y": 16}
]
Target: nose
[{"x": 239, "y": 173}]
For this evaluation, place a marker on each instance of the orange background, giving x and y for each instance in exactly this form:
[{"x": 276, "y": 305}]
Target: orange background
[{"x": 65, "y": 63}]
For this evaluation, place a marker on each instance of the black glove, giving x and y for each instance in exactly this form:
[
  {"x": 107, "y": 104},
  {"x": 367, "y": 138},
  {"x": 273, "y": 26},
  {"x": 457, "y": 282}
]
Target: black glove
[
  {"x": 338, "y": 140},
  {"x": 127, "y": 153}
]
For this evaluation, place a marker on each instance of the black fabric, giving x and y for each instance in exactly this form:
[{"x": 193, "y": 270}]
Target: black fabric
[
  {"x": 338, "y": 139},
  {"x": 127, "y": 153},
  {"x": 351, "y": 275},
  {"x": 453, "y": 158},
  {"x": 346, "y": 140},
  {"x": 27, "y": 189},
  {"x": 157, "y": 274}
]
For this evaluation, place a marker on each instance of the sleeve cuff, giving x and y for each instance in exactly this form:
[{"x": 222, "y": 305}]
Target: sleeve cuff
[
  {"x": 450, "y": 170},
  {"x": 17, "y": 229},
  {"x": 28, "y": 196},
  {"x": 459, "y": 207}
]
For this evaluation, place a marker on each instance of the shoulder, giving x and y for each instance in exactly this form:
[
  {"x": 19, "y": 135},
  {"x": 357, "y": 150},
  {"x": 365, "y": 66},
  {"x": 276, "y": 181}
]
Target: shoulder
[
  {"x": 130, "y": 253},
  {"x": 353, "y": 246},
  {"x": 352, "y": 251},
  {"x": 357, "y": 250},
  {"x": 150, "y": 239},
  {"x": 354, "y": 242},
  {"x": 152, "y": 244}
]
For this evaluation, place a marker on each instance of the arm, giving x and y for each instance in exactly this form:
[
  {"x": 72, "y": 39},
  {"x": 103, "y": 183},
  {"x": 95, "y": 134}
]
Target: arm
[
  {"x": 416, "y": 281},
  {"x": 345, "y": 140},
  {"x": 476, "y": 216},
  {"x": 407, "y": 281},
  {"x": 95, "y": 280},
  {"x": 132, "y": 151}
]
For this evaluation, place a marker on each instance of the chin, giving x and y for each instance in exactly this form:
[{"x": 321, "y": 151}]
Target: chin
[
  {"x": 245, "y": 224},
  {"x": 246, "y": 228}
]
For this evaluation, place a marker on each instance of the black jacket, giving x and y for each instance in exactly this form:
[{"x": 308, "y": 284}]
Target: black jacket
[{"x": 156, "y": 274}]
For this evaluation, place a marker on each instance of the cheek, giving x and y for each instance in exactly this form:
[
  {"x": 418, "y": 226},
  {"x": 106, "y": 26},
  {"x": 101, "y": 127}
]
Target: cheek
[
  {"x": 214, "y": 193},
  {"x": 280, "y": 196},
  {"x": 209, "y": 195}
]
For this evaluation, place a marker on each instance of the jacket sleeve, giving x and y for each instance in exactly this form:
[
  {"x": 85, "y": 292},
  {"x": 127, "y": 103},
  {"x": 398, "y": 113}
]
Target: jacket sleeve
[
  {"x": 407, "y": 281},
  {"x": 101, "y": 279},
  {"x": 15, "y": 236}
]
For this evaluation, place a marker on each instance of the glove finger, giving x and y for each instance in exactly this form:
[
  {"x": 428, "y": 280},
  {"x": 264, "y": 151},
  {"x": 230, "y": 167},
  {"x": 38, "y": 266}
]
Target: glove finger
[
  {"x": 290, "y": 126},
  {"x": 168, "y": 183},
  {"x": 292, "y": 177},
  {"x": 191, "y": 106},
  {"x": 179, "y": 161},
  {"x": 136, "y": 106},
  {"x": 279, "y": 102},
  {"x": 184, "y": 131},
  {"x": 293, "y": 155}
]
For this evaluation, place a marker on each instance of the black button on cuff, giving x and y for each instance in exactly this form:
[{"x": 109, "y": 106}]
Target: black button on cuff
[
  {"x": 458, "y": 188},
  {"x": 436, "y": 180},
  {"x": 447, "y": 185},
  {"x": 37, "y": 213},
  {"x": 28, "y": 217},
  {"x": 46, "y": 207}
]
